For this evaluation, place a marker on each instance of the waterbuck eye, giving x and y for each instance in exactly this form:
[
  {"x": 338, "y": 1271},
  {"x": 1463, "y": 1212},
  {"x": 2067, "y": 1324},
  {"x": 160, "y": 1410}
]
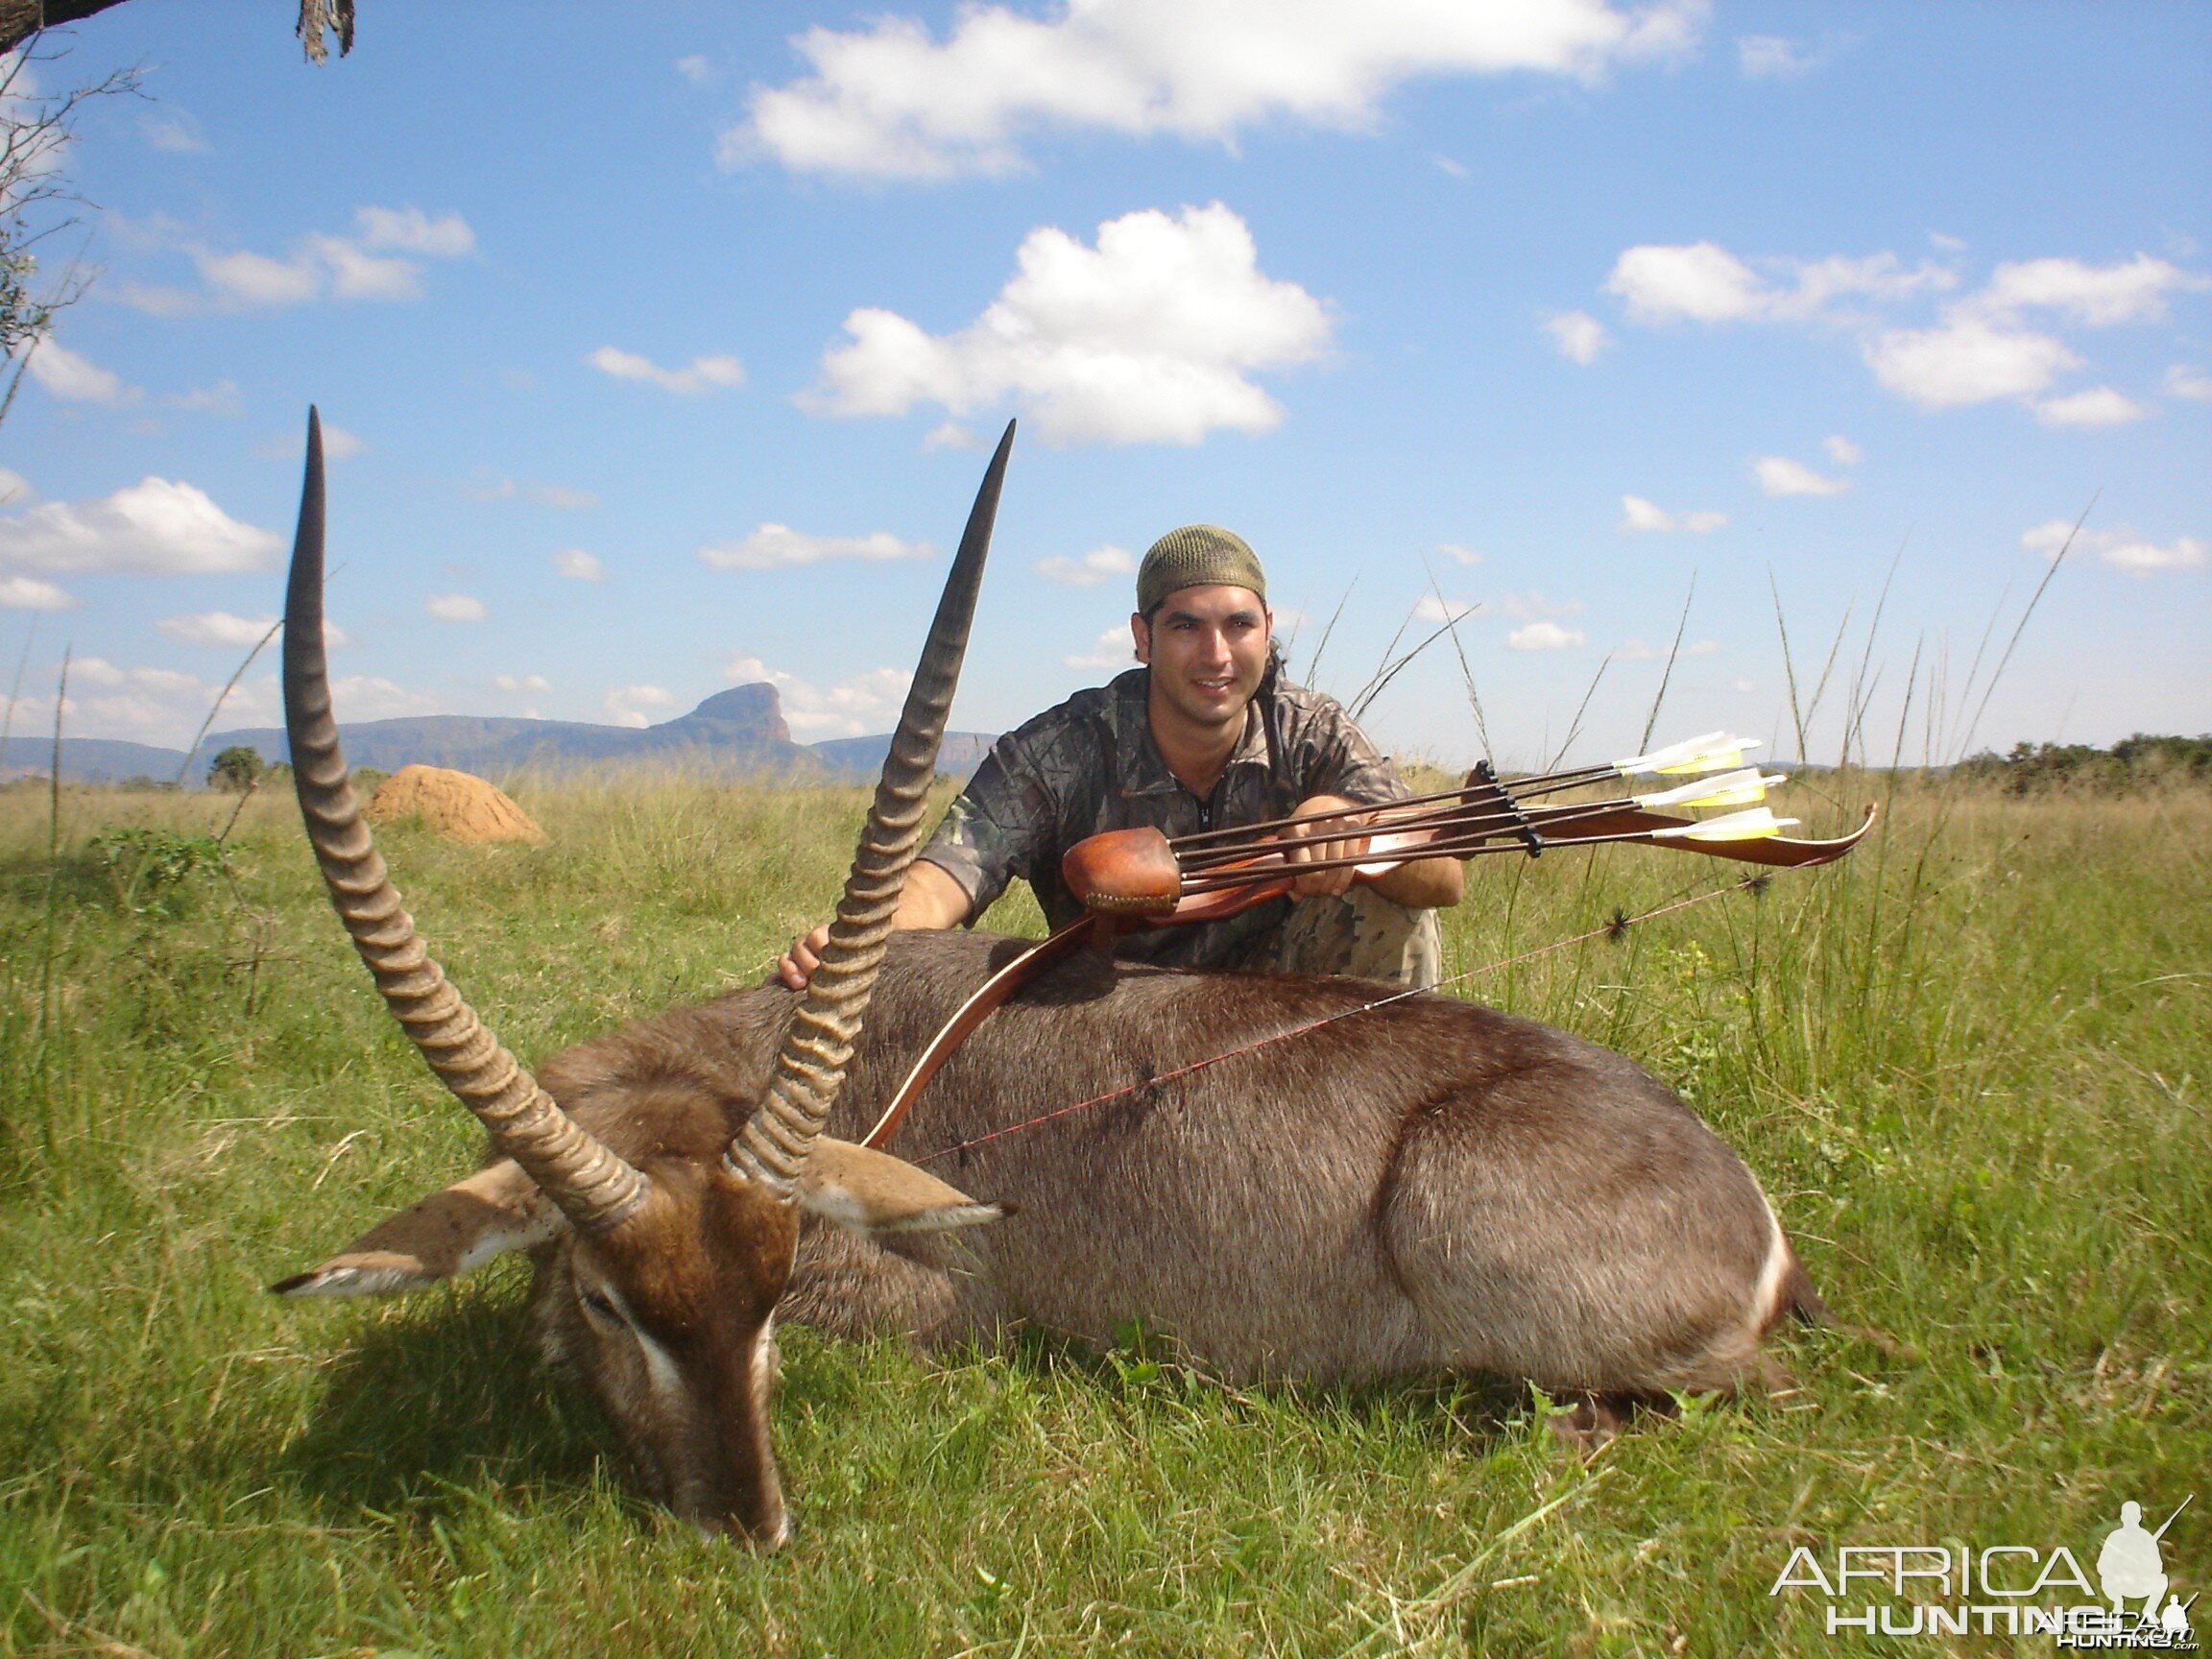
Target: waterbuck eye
[{"x": 599, "y": 1304}]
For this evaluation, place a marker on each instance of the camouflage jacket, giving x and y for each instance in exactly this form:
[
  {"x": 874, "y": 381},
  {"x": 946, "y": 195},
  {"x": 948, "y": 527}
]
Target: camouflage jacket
[{"x": 1091, "y": 764}]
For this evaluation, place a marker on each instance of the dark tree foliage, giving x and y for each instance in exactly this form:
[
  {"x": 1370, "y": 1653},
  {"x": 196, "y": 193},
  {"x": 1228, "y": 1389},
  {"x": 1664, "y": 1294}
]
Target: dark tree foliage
[
  {"x": 2131, "y": 763},
  {"x": 235, "y": 768}
]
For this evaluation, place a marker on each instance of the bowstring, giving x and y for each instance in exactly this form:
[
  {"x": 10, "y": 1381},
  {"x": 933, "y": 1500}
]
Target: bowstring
[{"x": 1613, "y": 928}]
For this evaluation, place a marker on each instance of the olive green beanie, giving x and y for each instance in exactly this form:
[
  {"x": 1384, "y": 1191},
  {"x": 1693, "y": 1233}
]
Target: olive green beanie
[{"x": 1195, "y": 555}]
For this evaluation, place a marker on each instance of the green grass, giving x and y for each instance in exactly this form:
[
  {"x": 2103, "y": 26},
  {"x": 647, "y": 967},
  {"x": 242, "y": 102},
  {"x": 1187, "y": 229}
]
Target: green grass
[{"x": 1969, "y": 1064}]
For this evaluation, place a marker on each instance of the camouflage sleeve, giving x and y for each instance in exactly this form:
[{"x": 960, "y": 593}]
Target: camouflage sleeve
[
  {"x": 995, "y": 827},
  {"x": 1336, "y": 757}
]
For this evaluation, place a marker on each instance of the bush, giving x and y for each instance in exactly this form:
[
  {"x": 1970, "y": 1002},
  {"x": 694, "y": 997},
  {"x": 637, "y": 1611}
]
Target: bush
[
  {"x": 2128, "y": 766},
  {"x": 236, "y": 769}
]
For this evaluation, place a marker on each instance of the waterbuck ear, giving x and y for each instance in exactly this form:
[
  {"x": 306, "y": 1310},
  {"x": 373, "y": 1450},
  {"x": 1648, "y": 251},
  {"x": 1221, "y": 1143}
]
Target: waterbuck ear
[
  {"x": 496, "y": 1209},
  {"x": 867, "y": 1191}
]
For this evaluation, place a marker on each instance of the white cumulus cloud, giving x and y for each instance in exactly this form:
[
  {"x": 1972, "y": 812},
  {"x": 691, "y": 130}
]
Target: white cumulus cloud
[
  {"x": 78, "y": 379},
  {"x": 1579, "y": 335},
  {"x": 952, "y": 435},
  {"x": 632, "y": 705},
  {"x": 775, "y": 546},
  {"x": 1842, "y": 451},
  {"x": 867, "y": 702},
  {"x": 2120, "y": 546},
  {"x": 1637, "y": 514},
  {"x": 229, "y": 632},
  {"x": 2096, "y": 295},
  {"x": 175, "y": 131},
  {"x": 1966, "y": 360},
  {"x": 1428, "y": 607},
  {"x": 34, "y": 594},
  {"x": 578, "y": 565},
  {"x": 366, "y": 265},
  {"x": 1996, "y": 342},
  {"x": 1457, "y": 554},
  {"x": 2098, "y": 406},
  {"x": 164, "y": 705},
  {"x": 220, "y": 398},
  {"x": 414, "y": 231},
  {"x": 1150, "y": 336},
  {"x": 154, "y": 527},
  {"x": 1780, "y": 475},
  {"x": 1088, "y": 570},
  {"x": 521, "y": 682},
  {"x": 700, "y": 375},
  {"x": 1546, "y": 636},
  {"x": 2187, "y": 381},
  {"x": 1112, "y": 649},
  {"x": 1775, "y": 58},
  {"x": 889, "y": 99},
  {"x": 455, "y": 608},
  {"x": 1704, "y": 282},
  {"x": 2140, "y": 556}
]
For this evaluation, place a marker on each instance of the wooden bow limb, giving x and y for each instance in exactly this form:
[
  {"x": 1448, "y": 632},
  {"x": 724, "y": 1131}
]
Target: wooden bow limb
[{"x": 1017, "y": 972}]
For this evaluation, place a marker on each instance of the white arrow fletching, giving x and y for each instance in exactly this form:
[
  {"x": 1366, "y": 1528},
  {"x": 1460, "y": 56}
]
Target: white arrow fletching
[
  {"x": 1710, "y": 752},
  {"x": 1752, "y": 826},
  {"x": 1744, "y": 788}
]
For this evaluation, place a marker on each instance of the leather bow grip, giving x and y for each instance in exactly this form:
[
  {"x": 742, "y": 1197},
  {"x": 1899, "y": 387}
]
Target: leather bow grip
[{"x": 1123, "y": 873}]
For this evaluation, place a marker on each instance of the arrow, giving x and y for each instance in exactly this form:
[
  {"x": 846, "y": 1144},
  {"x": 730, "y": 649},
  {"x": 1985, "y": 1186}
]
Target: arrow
[
  {"x": 1709, "y": 753},
  {"x": 1744, "y": 788},
  {"x": 1712, "y": 752},
  {"x": 1755, "y": 824}
]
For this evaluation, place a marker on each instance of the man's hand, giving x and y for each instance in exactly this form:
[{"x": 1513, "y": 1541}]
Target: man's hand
[
  {"x": 931, "y": 899},
  {"x": 1317, "y": 843},
  {"x": 797, "y": 965},
  {"x": 1418, "y": 884}
]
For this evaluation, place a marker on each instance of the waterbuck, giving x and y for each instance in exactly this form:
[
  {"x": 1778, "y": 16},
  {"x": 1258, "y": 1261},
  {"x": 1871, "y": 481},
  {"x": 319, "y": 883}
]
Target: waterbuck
[{"x": 1353, "y": 1193}]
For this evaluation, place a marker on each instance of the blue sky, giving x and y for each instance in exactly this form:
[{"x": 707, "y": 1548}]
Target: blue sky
[{"x": 662, "y": 357}]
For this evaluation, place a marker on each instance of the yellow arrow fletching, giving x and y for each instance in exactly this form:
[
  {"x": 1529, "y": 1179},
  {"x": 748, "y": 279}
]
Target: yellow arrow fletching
[
  {"x": 1744, "y": 788},
  {"x": 1749, "y": 795},
  {"x": 1709, "y": 753},
  {"x": 1755, "y": 824}
]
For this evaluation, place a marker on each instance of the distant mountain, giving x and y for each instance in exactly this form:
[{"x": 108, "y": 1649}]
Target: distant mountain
[
  {"x": 738, "y": 732},
  {"x": 961, "y": 753},
  {"x": 740, "y": 729},
  {"x": 91, "y": 760}
]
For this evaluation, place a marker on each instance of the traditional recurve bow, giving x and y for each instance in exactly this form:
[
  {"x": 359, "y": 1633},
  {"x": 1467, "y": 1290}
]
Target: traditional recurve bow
[{"x": 1130, "y": 880}]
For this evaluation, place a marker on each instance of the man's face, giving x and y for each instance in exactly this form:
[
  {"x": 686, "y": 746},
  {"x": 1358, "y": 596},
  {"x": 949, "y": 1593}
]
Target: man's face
[{"x": 1207, "y": 648}]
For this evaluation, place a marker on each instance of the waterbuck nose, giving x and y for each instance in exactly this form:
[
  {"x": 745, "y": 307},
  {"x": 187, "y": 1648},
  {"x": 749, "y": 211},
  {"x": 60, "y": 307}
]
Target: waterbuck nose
[{"x": 767, "y": 1534}]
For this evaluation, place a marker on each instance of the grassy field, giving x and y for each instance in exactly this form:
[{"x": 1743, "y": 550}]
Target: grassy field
[{"x": 1969, "y": 1064}]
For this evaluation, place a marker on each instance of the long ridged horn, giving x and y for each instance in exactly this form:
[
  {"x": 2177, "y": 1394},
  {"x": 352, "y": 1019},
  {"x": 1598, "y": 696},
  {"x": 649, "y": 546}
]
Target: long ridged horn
[
  {"x": 772, "y": 1148},
  {"x": 594, "y": 1187}
]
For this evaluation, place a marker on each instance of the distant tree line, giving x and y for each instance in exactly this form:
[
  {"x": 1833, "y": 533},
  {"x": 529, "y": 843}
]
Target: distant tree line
[{"x": 2129, "y": 763}]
